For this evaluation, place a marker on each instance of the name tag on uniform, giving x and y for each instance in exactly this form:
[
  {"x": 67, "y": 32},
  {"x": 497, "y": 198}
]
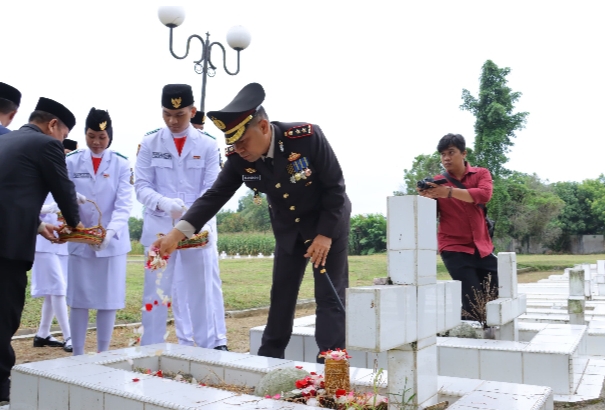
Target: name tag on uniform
[
  {"x": 164, "y": 155},
  {"x": 250, "y": 178},
  {"x": 82, "y": 175}
]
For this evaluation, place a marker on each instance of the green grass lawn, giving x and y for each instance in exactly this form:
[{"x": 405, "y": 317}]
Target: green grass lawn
[{"x": 247, "y": 282}]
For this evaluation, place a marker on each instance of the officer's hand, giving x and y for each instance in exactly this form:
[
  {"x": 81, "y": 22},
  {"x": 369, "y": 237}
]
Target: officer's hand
[
  {"x": 50, "y": 208},
  {"x": 436, "y": 191},
  {"x": 168, "y": 243},
  {"x": 80, "y": 198},
  {"x": 211, "y": 236},
  {"x": 318, "y": 251},
  {"x": 175, "y": 207},
  {"x": 48, "y": 232}
]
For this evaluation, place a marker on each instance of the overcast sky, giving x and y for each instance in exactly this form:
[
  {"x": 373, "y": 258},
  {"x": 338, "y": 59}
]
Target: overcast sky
[{"x": 382, "y": 78}]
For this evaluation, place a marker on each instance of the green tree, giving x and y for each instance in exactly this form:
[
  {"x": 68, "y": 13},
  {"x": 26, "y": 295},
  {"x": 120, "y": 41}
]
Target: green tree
[
  {"x": 135, "y": 228},
  {"x": 257, "y": 215},
  {"x": 495, "y": 123},
  {"x": 368, "y": 234},
  {"x": 593, "y": 190}
]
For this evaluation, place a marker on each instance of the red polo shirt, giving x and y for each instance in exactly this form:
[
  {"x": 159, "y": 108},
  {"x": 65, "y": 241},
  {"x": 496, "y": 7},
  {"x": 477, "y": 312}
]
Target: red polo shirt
[{"x": 462, "y": 226}]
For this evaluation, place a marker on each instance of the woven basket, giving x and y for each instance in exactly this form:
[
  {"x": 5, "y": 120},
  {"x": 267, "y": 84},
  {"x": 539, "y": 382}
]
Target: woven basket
[
  {"x": 336, "y": 376},
  {"x": 92, "y": 236},
  {"x": 197, "y": 241}
]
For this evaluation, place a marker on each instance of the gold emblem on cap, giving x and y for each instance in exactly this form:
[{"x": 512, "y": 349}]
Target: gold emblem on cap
[
  {"x": 103, "y": 125},
  {"x": 219, "y": 124},
  {"x": 176, "y": 102}
]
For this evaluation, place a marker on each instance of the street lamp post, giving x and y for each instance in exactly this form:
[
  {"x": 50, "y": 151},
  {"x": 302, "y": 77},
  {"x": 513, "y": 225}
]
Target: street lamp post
[{"x": 238, "y": 39}]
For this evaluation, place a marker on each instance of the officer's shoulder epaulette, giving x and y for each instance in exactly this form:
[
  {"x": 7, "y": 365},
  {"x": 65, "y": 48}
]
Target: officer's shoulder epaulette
[
  {"x": 74, "y": 152},
  {"x": 152, "y": 132},
  {"x": 206, "y": 134},
  {"x": 120, "y": 155},
  {"x": 230, "y": 150},
  {"x": 299, "y": 131}
]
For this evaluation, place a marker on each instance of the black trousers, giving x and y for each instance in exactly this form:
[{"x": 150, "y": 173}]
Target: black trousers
[
  {"x": 472, "y": 271},
  {"x": 13, "y": 283},
  {"x": 288, "y": 272}
]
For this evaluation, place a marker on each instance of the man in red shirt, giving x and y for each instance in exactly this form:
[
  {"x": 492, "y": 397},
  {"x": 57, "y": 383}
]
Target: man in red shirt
[{"x": 463, "y": 239}]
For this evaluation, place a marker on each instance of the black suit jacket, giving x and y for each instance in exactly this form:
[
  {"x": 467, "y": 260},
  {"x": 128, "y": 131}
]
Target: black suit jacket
[
  {"x": 32, "y": 164},
  {"x": 315, "y": 204}
]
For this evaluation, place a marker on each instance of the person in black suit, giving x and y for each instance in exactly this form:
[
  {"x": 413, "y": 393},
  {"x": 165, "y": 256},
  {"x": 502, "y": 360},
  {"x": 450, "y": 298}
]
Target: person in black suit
[
  {"x": 10, "y": 98},
  {"x": 294, "y": 165},
  {"x": 33, "y": 164}
]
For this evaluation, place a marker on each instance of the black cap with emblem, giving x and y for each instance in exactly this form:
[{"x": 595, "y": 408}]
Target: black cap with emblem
[
  {"x": 99, "y": 120},
  {"x": 199, "y": 118},
  {"x": 10, "y": 93},
  {"x": 177, "y": 96},
  {"x": 58, "y": 110},
  {"x": 232, "y": 119}
]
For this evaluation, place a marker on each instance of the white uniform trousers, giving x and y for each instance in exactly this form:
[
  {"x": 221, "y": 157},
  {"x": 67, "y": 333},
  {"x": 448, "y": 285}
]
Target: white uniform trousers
[
  {"x": 182, "y": 310},
  {"x": 185, "y": 269}
]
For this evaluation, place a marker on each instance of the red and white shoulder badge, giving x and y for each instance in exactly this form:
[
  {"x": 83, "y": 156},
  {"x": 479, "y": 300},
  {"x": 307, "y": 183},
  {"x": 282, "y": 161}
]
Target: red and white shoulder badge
[
  {"x": 299, "y": 131},
  {"x": 230, "y": 150}
]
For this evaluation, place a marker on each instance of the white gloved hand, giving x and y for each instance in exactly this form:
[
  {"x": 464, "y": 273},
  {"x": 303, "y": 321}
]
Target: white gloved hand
[
  {"x": 50, "y": 208},
  {"x": 211, "y": 237},
  {"x": 108, "y": 236},
  {"x": 175, "y": 207},
  {"x": 81, "y": 198}
]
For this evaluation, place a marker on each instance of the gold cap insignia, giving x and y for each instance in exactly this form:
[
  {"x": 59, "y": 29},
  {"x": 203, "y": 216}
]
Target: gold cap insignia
[
  {"x": 250, "y": 170},
  {"x": 103, "y": 125},
  {"x": 219, "y": 124},
  {"x": 176, "y": 102}
]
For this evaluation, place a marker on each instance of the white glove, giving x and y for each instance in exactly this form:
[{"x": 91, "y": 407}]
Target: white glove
[
  {"x": 108, "y": 236},
  {"x": 210, "y": 234},
  {"x": 175, "y": 207},
  {"x": 81, "y": 198},
  {"x": 50, "y": 208}
]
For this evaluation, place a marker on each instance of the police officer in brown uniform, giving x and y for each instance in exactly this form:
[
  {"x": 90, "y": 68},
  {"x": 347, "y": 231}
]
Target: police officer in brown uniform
[{"x": 294, "y": 165}]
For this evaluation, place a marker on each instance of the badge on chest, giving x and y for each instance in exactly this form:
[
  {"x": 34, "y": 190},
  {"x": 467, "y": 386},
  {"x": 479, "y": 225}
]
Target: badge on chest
[{"x": 247, "y": 178}]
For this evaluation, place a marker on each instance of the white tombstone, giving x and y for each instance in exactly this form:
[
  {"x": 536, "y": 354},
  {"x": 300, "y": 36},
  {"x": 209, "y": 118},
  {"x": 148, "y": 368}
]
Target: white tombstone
[
  {"x": 505, "y": 310},
  {"x": 237, "y": 256},
  {"x": 600, "y": 278},
  {"x": 403, "y": 318},
  {"x": 272, "y": 256},
  {"x": 249, "y": 256},
  {"x": 577, "y": 299},
  {"x": 223, "y": 255},
  {"x": 260, "y": 255}
]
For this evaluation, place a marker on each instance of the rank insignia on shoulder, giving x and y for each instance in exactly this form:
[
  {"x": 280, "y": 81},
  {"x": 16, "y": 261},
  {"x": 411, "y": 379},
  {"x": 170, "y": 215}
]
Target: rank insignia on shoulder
[
  {"x": 293, "y": 156},
  {"x": 153, "y": 132},
  {"x": 230, "y": 150},
  {"x": 73, "y": 153},
  {"x": 299, "y": 131},
  {"x": 250, "y": 170}
]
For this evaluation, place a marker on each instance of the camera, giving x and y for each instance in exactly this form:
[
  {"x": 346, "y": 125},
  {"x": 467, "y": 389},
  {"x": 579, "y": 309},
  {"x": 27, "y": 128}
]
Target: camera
[{"x": 422, "y": 185}]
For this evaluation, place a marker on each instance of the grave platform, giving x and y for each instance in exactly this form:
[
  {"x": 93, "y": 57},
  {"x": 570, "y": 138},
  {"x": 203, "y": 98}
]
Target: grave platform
[{"x": 107, "y": 381}]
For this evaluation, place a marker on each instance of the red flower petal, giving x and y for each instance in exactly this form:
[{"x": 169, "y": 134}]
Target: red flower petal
[
  {"x": 299, "y": 367},
  {"x": 135, "y": 380},
  {"x": 159, "y": 373},
  {"x": 155, "y": 302},
  {"x": 340, "y": 392},
  {"x": 169, "y": 304},
  {"x": 148, "y": 307}
]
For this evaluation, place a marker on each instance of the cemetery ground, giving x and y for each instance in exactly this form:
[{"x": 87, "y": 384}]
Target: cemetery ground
[{"x": 246, "y": 284}]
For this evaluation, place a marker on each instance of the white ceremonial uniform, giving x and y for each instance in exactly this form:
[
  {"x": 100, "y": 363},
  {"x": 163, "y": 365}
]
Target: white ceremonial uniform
[
  {"x": 49, "y": 271},
  {"x": 190, "y": 277},
  {"x": 98, "y": 279}
]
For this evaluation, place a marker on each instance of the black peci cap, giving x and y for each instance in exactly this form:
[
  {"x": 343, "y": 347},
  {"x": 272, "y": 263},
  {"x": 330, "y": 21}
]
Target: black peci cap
[
  {"x": 8, "y": 92},
  {"x": 234, "y": 118},
  {"x": 58, "y": 110},
  {"x": 70, "y": 144},
  {"x": 99, "y": 120},
  {"x": 176, "y": 96},
  {"x": 199, "y": 118}
]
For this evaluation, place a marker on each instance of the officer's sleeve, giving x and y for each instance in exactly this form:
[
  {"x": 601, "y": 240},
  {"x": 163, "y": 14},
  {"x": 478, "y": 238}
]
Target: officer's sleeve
[
  {"x": 123, "y": 204},
  {"x": 333, "y": 195},
  {"x": 212, "y": 166},
  {"x": 208, "y": 205},
  {"x": 144, "y": 184},
  {"x": 54, "y": 173}
]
